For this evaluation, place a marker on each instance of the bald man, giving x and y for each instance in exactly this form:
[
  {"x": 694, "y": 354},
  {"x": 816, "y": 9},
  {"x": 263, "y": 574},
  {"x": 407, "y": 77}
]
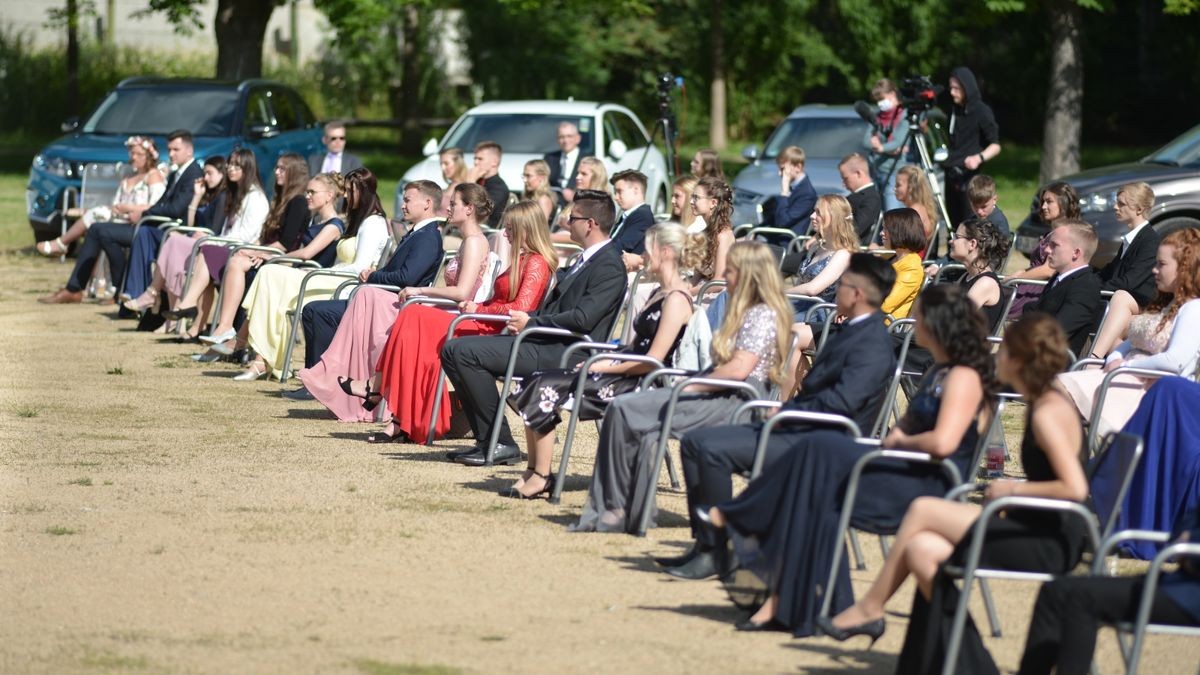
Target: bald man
[
  {"x": 564, "y": 162},
  {"x": 865, "y": 200}
]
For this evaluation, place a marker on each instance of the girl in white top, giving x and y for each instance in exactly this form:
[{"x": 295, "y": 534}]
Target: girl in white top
[{"x": 247, "y": 207}]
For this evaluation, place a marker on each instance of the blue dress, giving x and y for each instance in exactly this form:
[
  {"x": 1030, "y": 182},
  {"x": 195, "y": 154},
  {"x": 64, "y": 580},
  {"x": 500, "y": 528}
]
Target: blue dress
[
  {"x": 784, "y": 526},
  {"x": 810, "y": 269},
  {"x": 328, "y": 255}
]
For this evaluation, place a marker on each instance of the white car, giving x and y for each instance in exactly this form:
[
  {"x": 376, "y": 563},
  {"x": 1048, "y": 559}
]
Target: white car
[{"x": 527, "y": 130}]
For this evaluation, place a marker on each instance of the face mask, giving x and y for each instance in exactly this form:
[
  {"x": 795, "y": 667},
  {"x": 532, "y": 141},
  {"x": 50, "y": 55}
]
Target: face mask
[{"x": 886, "y": 105}]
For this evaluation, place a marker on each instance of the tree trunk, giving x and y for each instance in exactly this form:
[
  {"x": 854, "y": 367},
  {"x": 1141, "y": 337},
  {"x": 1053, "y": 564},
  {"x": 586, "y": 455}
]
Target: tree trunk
[
  {"x": 717, "y": 132},
  {"x": 73, "y": 57},
  {"x": 1064, "y": 96},
  {"x": 410, "y": 82},
  {"x": 240, "y": 27}
]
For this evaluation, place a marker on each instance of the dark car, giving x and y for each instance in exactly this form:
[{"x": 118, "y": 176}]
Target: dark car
[
  {"x": 267, "y": 117},
  {"x": 1173, "y": 172}
]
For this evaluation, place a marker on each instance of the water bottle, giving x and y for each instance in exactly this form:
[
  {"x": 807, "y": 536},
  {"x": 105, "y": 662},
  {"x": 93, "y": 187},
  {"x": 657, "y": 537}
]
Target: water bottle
[{"x": 995, "y": 461}]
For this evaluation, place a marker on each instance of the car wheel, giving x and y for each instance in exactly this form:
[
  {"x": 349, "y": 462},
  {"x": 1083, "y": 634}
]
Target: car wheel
[{"x": 1170, "y": 225}]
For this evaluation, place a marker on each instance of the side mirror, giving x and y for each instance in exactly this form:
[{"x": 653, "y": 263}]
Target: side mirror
[
  {"x": 430, "y": 147},
  {"x": 617, "y": 149},
  {"x": 70, "y": 124},
  {"x": 750, "y": 153},
  {"x": 262, "y": 131}
]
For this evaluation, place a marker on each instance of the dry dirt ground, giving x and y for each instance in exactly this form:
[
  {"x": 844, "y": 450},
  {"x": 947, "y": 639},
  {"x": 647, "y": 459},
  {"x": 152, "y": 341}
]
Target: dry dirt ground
[{"x": 157, "y": 517}]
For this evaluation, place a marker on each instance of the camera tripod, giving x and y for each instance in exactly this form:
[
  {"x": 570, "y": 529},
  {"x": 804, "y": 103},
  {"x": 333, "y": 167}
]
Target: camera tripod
[
  {"x": 920, "y": 139},
  {"x": 666, "y": 124}
]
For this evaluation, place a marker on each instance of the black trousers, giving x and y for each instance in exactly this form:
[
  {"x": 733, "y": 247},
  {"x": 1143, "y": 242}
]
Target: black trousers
[
  {"x": 113, "y": 239},
  {"x": 710, "y": 458},
  {"x": 1068, "y": 615},
  {"x": 474, "y": 362},
  {"x": 320, "y": 320}
]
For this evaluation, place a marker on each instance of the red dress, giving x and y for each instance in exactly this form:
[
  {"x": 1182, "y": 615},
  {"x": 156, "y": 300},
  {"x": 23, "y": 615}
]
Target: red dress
[{"x": 411, "y": 361}]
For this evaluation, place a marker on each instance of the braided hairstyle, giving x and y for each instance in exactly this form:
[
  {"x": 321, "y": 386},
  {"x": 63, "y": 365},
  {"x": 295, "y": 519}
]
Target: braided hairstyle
[
  {"x": 992, "y": 244},
  {"x": 719, "y": 220}
]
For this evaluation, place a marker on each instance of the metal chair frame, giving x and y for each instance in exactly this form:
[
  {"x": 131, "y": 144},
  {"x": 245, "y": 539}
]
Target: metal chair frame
[{"x": 294, "y": 314}]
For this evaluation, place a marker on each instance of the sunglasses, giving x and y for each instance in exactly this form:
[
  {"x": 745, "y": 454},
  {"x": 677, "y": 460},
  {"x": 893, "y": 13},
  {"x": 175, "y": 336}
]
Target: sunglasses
[{"x": 337, "y": 138}]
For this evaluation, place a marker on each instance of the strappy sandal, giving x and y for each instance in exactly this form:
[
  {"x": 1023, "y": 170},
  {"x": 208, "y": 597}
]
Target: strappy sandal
[
  {"x": 382, "y": 436},
  {"x": 370, "y": 399},
  {"x": 52, "y": 247}
]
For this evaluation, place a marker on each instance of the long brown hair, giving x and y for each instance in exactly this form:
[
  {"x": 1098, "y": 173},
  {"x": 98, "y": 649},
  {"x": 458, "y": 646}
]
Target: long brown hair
[
  {"x": 295, "y": 178},
  {"x": 719, "y": 220},
  {"x": 243, "y": 159}
]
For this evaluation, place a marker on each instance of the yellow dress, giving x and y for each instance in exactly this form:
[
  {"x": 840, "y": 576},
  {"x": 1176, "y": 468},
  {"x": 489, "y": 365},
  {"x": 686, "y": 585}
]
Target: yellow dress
[
  {"x": 275, "y": 290},
  {"x": 909, "y": 277}
]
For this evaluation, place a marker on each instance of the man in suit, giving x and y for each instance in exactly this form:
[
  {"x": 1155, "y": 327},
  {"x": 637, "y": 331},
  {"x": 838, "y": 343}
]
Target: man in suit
[
  {"x": 564, "y": 162},
  {"x": 1073, "y": 294},
  {"x": 114, "y": 238},
  {"x": 585, "y": 299},
  {"x": 486, "y": 172},
  {"x": 1132, "y": 270},
  {"x": 415, "y": 262},
  {"x": 335, "y": 157},
  {"x": 629, "y": 191},
  {"x": 849, "y": 377},
  {"x": 797, "y": 196},
  {"x": 865, "y": 200}
]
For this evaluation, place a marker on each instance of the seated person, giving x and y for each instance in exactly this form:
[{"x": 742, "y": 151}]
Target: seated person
[
  {"x": 454, "y": 171},
  {"x": 749, "y": 347},
  {"x": 797, "y": 197},
  {"x": 913, "y": 191},
  {"x": 113, "y": 237},
  {"x": 706, "y": 163},
  {"x": 486, "y": 172},
  {"x": 564, "y": 162},
  {"x": 1129, "y": 273},
  {"x": 712, "y": 201},
  {"x": 591, "y": 176},
  {"x": 657, "y": 331},
  {"x": 1056, "y": 203},
  {"x": 864, "y": 198},
  {"x": 629, "y": 232},
  {"x": 848, "y": 377},
  {"x": 981, "y": 192},
  {"x": 1073, "y": 294},
  {"x": 537, "y": 187},
  {"x": 585, "y": 300},
  {"x": 936, "y": 531},
  {"x": 902, "y": 232},
  {"x": 1165, "y": 337}
]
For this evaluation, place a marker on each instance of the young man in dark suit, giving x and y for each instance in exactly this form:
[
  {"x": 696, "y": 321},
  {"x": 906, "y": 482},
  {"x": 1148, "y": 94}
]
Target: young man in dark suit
[
  {"x": 585, "y": 299},
  {"x": 415, "y": 262},
  {"x": 629, "y": 232},
  {"x": 1132, "y": 270},
  {"x": 849, "y": 377},
  {"x": 797, "y": 196},
  {"x": 865, "y": 201},
  {"x": 1073, "y": 294},
  {"x": 486, "y": 172},
  {"x": 335, "y": 157},
  {"x": 564, "y": 162},
  {"x": 114, "y": 238}
]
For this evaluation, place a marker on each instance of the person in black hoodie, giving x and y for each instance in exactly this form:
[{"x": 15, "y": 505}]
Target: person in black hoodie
[{"x": 974, "y": 139}]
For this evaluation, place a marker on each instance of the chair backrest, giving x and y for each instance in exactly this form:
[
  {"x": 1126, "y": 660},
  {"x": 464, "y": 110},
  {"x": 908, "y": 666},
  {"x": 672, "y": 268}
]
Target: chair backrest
[
  {"x": 100, "y": 183},
  {"x": 488, "y": 282},
  {"x": 1110, "y": 473}
]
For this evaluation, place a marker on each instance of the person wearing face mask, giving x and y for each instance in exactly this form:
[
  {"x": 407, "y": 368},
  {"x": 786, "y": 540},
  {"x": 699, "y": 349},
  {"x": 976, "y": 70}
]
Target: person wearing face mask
[{"x": 885, "y": 140}]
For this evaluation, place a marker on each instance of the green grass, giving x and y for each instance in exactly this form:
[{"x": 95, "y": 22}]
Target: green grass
[
  {"x": 26, "y": 412},
  {"x": 373, "y": 667},
  {"x": 60, "y": 531},
  {"x": 85, "y": 482}
]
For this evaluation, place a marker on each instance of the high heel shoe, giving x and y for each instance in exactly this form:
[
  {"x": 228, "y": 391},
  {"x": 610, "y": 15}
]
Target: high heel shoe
[
  {"x": 143, "y": 302},
  {"x": 370, "y": 399},
  {"x": 516, "y": 493},
  {"x": 872, "y": 629},
  {"x": 382, "y": 436},
  {"x": 181, "y": 313},
  {"x": 254, "y": 372}
]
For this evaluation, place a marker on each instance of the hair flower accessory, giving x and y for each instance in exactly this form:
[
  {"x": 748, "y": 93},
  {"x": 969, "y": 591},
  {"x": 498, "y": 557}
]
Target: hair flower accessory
[{"x": 144, "y": 142}]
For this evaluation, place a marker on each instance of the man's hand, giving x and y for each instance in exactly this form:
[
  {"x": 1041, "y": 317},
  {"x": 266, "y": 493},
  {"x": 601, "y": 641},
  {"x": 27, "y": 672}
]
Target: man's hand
[
  {"x": 973, "y": 162},
  {"x": 785, "y": 183},
  {"x": 633, "y": 261},
  {"x": 516, "y": 321},
  {"x": 876, "y": 144},
  {"x": 362, "y": 276}
]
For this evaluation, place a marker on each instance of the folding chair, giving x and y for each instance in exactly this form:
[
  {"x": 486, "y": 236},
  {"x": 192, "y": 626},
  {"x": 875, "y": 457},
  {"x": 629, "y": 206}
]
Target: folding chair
[
  {"x": 1014, "y": 286},
  {"x": 1131, "y": 637},
  {"x": 233, "y": 245},
  {"x": 1093, "y": 428}
]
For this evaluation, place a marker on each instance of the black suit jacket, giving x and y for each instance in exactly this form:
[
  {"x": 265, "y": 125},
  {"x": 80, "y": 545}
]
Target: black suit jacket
[
  {"x": 178, "y": 196},
  {"x": 1075, "y": 303},
  {"x": 350, "y": 162},
  {"x": 416, "y": 260},
  {"x": 794, "y": 212},
  {"x": 585, "y": 301},
  {"x": 497, "y": 191},
  {"x": 1133, "y": 270},
  {"x": 630, "y": 234},
  {"x": 850, "y": 375},
  {"x": 554, "y": 159},
  {"x": 865, "y": 206}
]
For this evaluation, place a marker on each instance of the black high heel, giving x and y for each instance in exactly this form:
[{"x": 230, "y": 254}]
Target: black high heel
[
  {"x": 177, "y": 314},
  {"x": 872, "y": 629},
  {"x": 370, "y": 399},
  {"x": 382, "y": 436},
  {"x": 546, "y": 489}
]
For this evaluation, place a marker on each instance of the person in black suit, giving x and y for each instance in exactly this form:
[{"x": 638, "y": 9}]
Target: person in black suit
[
  {"x": 629, "y": 232},
  {"x": 114, "y": 238},
  {"x": 1069, "y": 610},
  {"x": 564, "y": 162},
  {"x": 335, "y": 157},
  {"x": 415, "y": 262},
  {"x": 865, "y": 201},
  {"x": 1072, "y": 296},
  {"x": 849, "y": 377},
  {"x": 1132, "y": 270},
  {"x": 486, "y": 172},
  {"x": 797, "y": 196},
  {"x": 585, "y": 299}
]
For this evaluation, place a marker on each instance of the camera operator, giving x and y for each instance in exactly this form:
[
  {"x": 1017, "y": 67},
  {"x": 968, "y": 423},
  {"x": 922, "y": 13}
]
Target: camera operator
[
  {"x": 885, "y": 140},
  {"x": 974, "y": 139}
]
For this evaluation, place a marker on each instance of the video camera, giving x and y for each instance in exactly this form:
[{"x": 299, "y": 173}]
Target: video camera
[{"x": 918, "y": 93}]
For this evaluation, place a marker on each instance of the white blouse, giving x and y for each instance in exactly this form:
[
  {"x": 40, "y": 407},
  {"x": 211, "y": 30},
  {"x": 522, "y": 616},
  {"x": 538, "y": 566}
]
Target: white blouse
[
  {"x": 246, "y": 225},
  {"x": 373, "y": 236}
]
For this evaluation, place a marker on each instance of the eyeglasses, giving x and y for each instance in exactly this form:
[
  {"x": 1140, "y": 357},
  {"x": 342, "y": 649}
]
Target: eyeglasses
[
  {"x": 337, "y": 138},
  {"x": 696, "y": 197},
  {"x": 309, "y": 193},
  {"x": 960, "y": 236},
  {"x": 571, "y": 219}
]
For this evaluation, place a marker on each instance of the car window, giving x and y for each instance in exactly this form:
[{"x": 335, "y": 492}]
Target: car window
[
  {"x": 1181, "y": 151},
  {"x": 258, "y": 109},
  {"x": 612, "y": 131},
  {"x": 518, "y": 133},
  {"x": 820, "y": 137},
  {"x": 302, "y": 109},
  {"x": 630, "y": 133},
  {"x": 286, "y": 116},
  {"x": 158, "y": 111}
]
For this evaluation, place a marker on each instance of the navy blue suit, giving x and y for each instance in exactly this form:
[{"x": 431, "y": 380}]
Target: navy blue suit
[
  {"x": 849, "y": 377},
  {"x": 794, "y": 212},
  {"x": 630, "y": 232},
  {"x": 114, "y": 238},
  {"x": 415, "y": 263}
]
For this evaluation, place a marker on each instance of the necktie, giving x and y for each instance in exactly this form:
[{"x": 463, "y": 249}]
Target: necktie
[{"x": 562, "y": 170}]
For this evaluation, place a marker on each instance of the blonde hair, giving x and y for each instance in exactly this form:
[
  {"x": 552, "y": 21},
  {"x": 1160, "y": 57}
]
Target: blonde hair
[
  {"x": 919, "y": 192},
  {"x": 1140, "y": 196},
  {"x": 541, "y": 168},
  {"x": 840, "y": 234},
  {"x": 599, "y": 175},
  {"x": 758, "y": 283},
  {"x": 529, "y": 235},
  {"x": 460, "y": 164},
  {"x": 686, "y": 183},
  {"x": 689, "y": 252}
]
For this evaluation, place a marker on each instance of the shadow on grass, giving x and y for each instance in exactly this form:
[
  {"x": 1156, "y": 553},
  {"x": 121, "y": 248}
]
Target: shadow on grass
[
  {"x": 563, "y": 519},
  {"x": 848, "y": 659},
  {"x": 639, "y": 563},
  {"x": 318, "y": 413},
  {"x": 724, "y": 613},
  {"x": 426, "y": 455}
]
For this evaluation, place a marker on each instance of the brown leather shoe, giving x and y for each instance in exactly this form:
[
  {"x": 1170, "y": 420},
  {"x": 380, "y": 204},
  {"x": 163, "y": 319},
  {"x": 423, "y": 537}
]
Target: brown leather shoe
[{"x": 63, "y": 297}]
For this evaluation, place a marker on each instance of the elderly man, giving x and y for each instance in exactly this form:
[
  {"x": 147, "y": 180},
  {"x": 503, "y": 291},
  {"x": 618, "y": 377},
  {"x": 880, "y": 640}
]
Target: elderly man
[
  {"x": 564, "y": 162},
  {"x": 335, "y": 157}
]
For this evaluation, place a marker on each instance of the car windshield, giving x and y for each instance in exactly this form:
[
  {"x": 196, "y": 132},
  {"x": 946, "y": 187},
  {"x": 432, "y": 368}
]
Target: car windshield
[
  {"x": 821, "y": 137},
  {"x": 161, "y": 110},
  {"x": 518, "y": 133},
  {"x": 1181, "y": 151}
]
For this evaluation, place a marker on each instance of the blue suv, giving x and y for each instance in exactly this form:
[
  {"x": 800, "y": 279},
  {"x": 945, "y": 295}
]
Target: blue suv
[{"x": 266, "y": 117}]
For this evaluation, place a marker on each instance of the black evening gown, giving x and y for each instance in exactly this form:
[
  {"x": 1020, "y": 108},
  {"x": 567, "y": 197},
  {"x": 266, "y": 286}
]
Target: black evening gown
[
  {"x": 784, "y": 525},
  {"x": 1020, "y": 540}
]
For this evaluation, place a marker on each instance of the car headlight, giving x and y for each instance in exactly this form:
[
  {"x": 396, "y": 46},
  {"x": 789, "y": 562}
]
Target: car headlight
[
  {"x": 1097, "y": 202},
  {"x": 52, "y": 165}
]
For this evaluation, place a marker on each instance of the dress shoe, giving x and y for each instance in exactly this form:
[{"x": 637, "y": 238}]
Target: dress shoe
[
  {"x": 748, "y": 626},
  {"x": 177, "y": 313},
  {"x": 677, "y": 560},
  {"x": 872, "y": 629},
  {"x": 63, "y": 297},
  {"x": 704, "y": 565},
  {"x": 505, "y": 454},
  {"x": 218, "y": 338},
  {"x": 453, "y": 455},
  {"x": 301, "y": 394},
  {"x": 206, "y": 357}
]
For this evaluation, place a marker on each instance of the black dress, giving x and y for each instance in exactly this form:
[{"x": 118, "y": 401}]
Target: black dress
[
  {"x": 1035, "y": 541},
  {"x": 544, "y": 393},
  {"x": 784, "y": 525},
  {"x": 919, "y": 359}
]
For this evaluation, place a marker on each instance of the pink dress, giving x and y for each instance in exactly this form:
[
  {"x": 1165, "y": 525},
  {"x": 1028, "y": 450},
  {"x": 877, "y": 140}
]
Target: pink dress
[{"x": 173, "y": 260}]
